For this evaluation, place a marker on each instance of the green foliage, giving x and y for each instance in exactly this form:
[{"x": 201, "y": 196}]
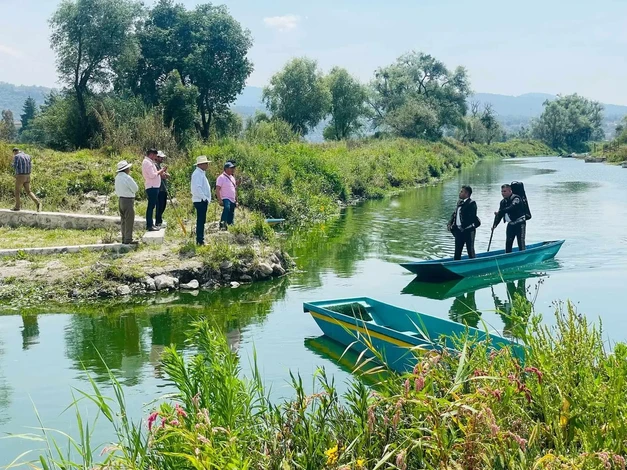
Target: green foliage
[
  {"x": 179, "y": 106},
  {"x": 90, "y": 39},
  {"x": 8, "y": 132},
  {"x": 261, "y": 130},
  {"x": 478, "y": 408},
  {"x": 29, "y": 112},
  {"x": 298, "y": 95},
  {"x": 569, "y": 123},
  {"x": 348, "y": 105},
  {"x": 481, "y": 127},
  {"x": 227, "y": 124},
  {"x": 417, "y": 96}
]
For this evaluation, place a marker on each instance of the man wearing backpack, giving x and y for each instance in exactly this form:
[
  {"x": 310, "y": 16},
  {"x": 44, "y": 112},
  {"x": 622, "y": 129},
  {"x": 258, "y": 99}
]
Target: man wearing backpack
[
  {"x": 464, "y": 223},
  {"x": 513, "y": 211}
]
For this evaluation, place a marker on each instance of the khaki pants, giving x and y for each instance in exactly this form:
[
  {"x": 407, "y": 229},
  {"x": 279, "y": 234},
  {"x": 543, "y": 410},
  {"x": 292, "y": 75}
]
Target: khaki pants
[
  {"x": 23, "y": 181},
  {"x": 127, "y": 217}
]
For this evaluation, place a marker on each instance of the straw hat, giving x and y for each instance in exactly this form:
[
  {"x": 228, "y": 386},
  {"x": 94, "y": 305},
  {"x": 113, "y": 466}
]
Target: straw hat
[
  {"x": 123, "y": 165},
  {"x": 160, "y": 154},
  {"x": 202, "y": 159}
]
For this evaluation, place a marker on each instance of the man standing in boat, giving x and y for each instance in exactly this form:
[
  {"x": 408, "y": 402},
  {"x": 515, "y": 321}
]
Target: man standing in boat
[
  {"x": 512, "y": 210},
  {"x": 464, "y": 222}
]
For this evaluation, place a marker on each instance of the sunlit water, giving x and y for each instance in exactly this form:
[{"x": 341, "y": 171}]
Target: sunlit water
[{"x": 42, "y": 357}]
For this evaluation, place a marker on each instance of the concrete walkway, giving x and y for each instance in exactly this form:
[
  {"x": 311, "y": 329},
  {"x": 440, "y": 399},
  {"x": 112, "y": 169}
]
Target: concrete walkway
[
  {"x": 52, "y": 220},
  {"x": 53, "y": 250}
]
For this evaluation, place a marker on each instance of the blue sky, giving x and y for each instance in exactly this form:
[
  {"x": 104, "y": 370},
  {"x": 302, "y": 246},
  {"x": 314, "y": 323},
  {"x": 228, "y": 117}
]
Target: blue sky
[{"x": 508, "y": 47}]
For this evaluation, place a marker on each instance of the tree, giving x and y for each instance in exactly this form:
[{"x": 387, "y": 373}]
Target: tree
[
  {"x": 179, "y": 106},
  {"x": 348, "y": 105},
  {"x": 493, "y": 130},
  {"x": 29, "y": 112},
  {"x": 569, "y": 122},
  {"x": 8, "y": 133},
  {"x": 298, "y": 95},
  {"x": 90, "y": 37},
  {"x": 217, "y": 65},
  {"x": 228, "y": 124},
  {"x": 417, "y": 96}
]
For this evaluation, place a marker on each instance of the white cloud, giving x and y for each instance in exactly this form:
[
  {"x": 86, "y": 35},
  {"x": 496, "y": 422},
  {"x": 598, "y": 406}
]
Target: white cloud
[
  {"x": 282, "y": 23},
  {"x": 9, "y": 51}
]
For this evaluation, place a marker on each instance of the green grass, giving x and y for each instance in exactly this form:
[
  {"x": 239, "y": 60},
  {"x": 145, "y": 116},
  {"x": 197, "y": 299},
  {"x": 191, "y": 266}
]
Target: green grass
[
  {"x": 27, "y": 237},
  {"x": 563, "y": 408}
]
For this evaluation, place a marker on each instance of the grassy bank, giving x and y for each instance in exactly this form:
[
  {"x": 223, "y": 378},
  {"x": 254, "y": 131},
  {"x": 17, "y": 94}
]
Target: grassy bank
[
  {"x": 304, "y": 183},
  {"x": 562, "y": 409}
]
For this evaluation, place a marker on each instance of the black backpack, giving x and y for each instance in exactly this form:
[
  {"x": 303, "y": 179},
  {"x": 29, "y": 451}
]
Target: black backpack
[{"x": 518, "y": 188}]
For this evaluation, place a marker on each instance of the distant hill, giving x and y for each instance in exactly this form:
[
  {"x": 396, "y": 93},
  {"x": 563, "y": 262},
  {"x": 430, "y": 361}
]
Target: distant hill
[
  {"x": 517, "y": 111},
  {"x": 13, "y": 96}
]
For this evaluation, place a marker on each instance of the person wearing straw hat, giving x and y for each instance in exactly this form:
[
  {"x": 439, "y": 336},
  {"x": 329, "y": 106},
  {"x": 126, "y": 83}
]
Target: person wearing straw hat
[
  {"x": 125, "y": 189},
  {"x": 201, "y": 196},
  {"x": 162, "y": 200}
]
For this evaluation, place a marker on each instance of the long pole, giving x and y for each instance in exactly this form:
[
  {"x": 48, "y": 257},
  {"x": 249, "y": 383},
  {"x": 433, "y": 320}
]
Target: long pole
[
  {"x": 491, "y": 235},
  {"x": 176, "y": 212}
]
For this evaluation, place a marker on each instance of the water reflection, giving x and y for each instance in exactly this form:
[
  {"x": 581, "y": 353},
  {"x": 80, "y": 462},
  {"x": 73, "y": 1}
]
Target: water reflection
[
  {"x": 464, "y": 310},
  {"x": 30, "y": 330},
  {"x": 516, "y": 308}
]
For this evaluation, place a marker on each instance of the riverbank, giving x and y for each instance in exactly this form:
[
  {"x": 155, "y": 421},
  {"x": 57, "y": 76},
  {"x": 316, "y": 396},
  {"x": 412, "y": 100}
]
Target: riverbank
[{"x": 303, "y": 183}]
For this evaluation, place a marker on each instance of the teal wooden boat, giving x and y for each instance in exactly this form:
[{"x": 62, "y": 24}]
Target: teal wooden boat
[
  {"x": 364, "y": 324},
  {"x": 485, "y": 263}
]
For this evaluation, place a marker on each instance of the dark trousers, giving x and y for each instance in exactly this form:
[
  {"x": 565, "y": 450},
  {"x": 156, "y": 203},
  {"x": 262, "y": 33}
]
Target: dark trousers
[
  {"x": 127, "y": 218},
  {"x": 153, "y": 197},
  {"x": 228, "y": 213},
  {"x": 162, "y": 201},
  {"x": 518, "y": 231},
  {"x": 201, "y": 218},
  {"x": 467, "y": 237}
]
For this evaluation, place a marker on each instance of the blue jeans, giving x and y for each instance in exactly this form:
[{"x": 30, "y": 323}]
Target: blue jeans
[
  {"x": 153, "y": 198},
  {"x": 201, "y": 218},
  {"x": 228, "y": 213}
]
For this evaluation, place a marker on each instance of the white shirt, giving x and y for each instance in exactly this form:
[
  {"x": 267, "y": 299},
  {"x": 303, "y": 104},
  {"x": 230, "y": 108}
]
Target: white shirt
[
  {"x": 200, "y": 186},
  {"x": 507, "y": 219},
  {"x": 459, "y": 219},
  {"x": 125, "y": 186}
]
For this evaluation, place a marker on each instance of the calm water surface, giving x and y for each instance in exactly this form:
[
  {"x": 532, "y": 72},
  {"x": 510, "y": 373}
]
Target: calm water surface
[{"x": 43, "y": 357}]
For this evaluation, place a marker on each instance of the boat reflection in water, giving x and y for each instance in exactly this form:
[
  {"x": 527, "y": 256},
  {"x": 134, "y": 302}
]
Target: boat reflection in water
[
  {"x": 346, "y": 359},
  {"x": 514, "y": 308}
]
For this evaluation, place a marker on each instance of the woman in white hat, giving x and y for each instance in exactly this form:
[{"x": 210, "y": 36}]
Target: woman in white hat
[
  {"x": 125, "y": 189},
  {"x": 201, "y": 196}
]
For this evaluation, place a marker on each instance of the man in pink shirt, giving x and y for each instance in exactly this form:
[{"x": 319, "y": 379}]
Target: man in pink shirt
[
  {"x": 152, "y": 182},
  {"x": 226, "y": 192}
]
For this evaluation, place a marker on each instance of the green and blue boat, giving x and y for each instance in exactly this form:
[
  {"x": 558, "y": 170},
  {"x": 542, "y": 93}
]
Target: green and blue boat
[
  {"x": 485, "y": 263},
  {"x": 393, "y": 334}
]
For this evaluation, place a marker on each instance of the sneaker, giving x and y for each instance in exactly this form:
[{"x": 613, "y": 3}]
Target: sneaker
[{"x": 153, "y": 229}]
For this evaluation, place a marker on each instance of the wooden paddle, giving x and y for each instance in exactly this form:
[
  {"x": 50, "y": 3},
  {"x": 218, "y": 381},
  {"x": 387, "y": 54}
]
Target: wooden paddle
[{"x": 492, "y": 234}]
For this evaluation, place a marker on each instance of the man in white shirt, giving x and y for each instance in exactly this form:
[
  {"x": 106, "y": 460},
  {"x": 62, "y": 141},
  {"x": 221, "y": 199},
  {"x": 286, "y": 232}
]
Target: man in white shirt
[
  {"x": 201, "y": 196},
  {"x": 125, "y": 189}
]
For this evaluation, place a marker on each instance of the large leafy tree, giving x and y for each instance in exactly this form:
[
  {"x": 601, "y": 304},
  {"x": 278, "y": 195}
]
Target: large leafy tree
[
  {"x": 348, "y": 105},
  {"x": 299, "y": 95},
  {"x": 418, "y": 96},
  {"x": 29, "y": 112},
  {"x": 569, "y": 122},
  {"x": 179, "y": 106},
  {"x": 90, "y": 38},
  {"x": 206, "y": 46}
]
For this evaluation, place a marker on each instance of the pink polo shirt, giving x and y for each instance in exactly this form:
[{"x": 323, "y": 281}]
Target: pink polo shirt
[
  {"x": 152, "y": 179},
  {"x": 227, "y": 187}
]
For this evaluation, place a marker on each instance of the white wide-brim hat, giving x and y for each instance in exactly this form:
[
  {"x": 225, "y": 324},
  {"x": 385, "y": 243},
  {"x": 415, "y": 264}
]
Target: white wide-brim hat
[
  {"x": 202, "y": 159},
  {"x": 123, "y": 165}
]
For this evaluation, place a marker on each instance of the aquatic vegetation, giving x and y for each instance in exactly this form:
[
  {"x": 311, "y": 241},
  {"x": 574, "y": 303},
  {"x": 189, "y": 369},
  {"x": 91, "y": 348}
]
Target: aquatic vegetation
[{"x": 563, "y": 408}]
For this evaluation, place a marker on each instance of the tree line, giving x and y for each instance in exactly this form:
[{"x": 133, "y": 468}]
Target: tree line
[{"x": 135, "y": 74}]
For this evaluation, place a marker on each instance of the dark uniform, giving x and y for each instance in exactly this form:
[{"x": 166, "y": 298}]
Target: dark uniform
[
  {"x": 512, "y": 210},
  {"x": 465, "y": 231},
  {"x": 162, "y": 200}
]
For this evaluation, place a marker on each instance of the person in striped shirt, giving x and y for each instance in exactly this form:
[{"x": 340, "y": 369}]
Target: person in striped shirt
[{"x": 22, "y": 166}]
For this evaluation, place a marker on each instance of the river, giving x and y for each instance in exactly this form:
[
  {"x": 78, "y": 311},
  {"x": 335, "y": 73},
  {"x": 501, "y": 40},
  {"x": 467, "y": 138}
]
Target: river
[{"x": 43, "y": 356}]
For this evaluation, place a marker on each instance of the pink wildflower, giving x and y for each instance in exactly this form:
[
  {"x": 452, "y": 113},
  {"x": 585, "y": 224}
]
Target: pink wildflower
[
  {"x": 151, "y": 419},
  {"x": 419, "y": 383},
  {"x": 180, "y": 411},
  {"x": 498, "y": 394},
  {"x": 536, "y": 371},
  {"x": 174, "y": 422},
  {"x": 400, "y": 461},
  {"x": 203, "y": 439},
  {"x": 406, "y": 387}
]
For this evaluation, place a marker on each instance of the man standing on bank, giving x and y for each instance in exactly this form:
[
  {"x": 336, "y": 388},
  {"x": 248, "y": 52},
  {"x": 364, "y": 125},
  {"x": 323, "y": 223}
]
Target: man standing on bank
[
  {"x": 201, "y": 196},
  {"x": 512, "y": 211},
  {"x": 125, "y": 189},
  {"x": 464, "y": 223},
  {"x": 226, "y": 192},
  {"x": 162, "y": 200},
  {"x": 22, "y": 166},
  {"x": 152, "y": 182}
]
